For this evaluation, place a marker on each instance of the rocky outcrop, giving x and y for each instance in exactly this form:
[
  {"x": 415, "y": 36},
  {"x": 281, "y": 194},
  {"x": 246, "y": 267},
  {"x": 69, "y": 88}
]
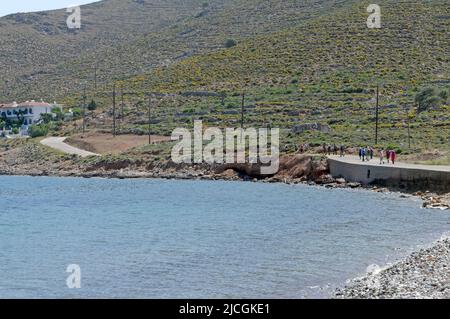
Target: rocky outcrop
[
  {"x": 292, "y": 168},
  {"x": 296, "y": 166},
  {"x": 250, "y": 170}
]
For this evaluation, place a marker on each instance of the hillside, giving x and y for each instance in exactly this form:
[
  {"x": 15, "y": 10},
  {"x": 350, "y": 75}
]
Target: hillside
[
  {"x": 41, "y": 58},
  {"x": 37, "y": 49},
  {"x": 323, "y": 70}
]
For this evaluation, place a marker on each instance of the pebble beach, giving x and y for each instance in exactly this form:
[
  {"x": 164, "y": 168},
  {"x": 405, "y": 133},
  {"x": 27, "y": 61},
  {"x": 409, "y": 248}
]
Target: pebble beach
[{"x": 422, "y": 275}]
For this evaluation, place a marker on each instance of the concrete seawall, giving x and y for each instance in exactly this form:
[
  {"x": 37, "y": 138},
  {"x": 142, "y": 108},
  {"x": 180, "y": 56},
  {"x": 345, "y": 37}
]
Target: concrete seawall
[{"x": 406, "y": 177}]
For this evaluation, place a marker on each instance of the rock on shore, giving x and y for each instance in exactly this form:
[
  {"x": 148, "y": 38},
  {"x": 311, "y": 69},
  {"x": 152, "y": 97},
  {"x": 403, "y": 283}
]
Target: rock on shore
[
  {"x": 423, "y": 275},
  {"x": 434, "y": 201}
]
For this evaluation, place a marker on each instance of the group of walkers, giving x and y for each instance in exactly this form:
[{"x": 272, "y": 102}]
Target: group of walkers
[
  {"x": 326, "y": 149},
  {"x": 390, "y": 155},
  {"x": 333, "y": 149},
  {"x": 367, "y": 154}
]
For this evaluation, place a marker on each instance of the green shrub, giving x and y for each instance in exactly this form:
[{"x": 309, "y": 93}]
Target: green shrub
[
  {"x": 77, "y": 113},
  {"x": 55, "y": 126},
  {"x": 59, "y": 115},
  {"x": 230, "y": 43},
  {"x": 46, "y": 117},
  {"x": 92, "y": 106},
  {"x": 38, "y": 130},
  {"x": 351, "y": 89}
]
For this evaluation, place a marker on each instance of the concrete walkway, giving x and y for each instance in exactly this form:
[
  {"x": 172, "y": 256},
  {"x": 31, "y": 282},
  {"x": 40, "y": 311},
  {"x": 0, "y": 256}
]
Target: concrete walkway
[
  {"x": 58, "y": 144},
  {"x": 406, "y": 176},
  {"x": 376, "y": 162}
]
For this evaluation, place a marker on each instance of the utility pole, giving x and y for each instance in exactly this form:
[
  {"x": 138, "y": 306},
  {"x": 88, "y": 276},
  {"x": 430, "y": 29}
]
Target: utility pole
[
  {"x": 122, "y": 103},
  {"x": 409, "y": 131},
  {"x": 222, "y": 98},
  {"x": 84, "y": 109},
  {"x": 409, "y": 128},
  {"x": 377, "y": 114},
  {"x": 149, "y": 119},
  {"x": 114, "y": 110},
  {"x": 242, "y": 110},
  {"x": 95, "y": 75},
  {"x": 121, "y": 106}
]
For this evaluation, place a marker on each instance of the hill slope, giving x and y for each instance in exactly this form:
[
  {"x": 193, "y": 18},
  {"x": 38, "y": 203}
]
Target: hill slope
[
  {"x": 41, "y": 58},
  {"x": 324, "y": 70}
]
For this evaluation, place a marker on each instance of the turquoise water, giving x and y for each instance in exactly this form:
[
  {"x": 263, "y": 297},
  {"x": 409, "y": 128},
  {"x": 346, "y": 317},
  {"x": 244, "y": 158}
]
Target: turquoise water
[{"x": 198, "y": 239}]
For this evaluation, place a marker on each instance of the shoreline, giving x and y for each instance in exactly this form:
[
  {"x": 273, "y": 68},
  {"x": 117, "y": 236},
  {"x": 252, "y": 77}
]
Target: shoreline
[
  {"x": 429, "y": 199},
  {"x": 194, "y": 173},
  {"x": 423, "y": 274}
]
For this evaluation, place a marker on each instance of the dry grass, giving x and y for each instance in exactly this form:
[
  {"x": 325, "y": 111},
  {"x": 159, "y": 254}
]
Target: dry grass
[
  {"x": 434, "y": 157},
  {"x": 107, "y": 144}
]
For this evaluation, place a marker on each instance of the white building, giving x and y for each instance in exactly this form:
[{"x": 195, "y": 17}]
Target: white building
[{"x": 29, "y": 111}]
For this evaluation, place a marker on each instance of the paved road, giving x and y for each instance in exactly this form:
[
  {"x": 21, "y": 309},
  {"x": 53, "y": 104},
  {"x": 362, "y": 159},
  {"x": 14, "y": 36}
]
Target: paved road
[
  {"x": 376, "y": 162},
  {"x": 58, "y": 144}
]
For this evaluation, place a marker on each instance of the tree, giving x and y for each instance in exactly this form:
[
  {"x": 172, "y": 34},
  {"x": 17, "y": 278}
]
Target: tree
[
  {"x": 77, "y": 113},
  {"x": 46, "y": 117},
  {"x": 6, "y": 122},
  {"x": 92, "y": 106},
  {"x": 20, "y": 118},
  {"x": 58, "y": 114}
]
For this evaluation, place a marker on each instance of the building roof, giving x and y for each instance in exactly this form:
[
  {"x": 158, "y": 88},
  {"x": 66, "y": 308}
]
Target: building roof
[{"x": 24, "y": 104}]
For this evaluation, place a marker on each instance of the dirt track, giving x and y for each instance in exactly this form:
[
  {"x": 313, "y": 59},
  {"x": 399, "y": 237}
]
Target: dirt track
[
  {"x": 107, "y": 144},
  {"x": 58, "y": 144}
]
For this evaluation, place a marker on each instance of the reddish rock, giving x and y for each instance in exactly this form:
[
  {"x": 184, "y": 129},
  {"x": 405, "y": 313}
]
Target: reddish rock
[{"x": 229, "y": 174}]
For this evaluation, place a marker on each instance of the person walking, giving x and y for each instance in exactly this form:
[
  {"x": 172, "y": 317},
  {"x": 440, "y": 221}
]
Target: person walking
[
  {"x": 363, "y": 154},
  {"x": 371, "y": 153},
  {"x": 393, "y": 157},
  {"x": 360, "y": 153},
  {"x": 381, "y": 156},
  {"x": 342, "y": 150},
  {"x": 388, "y": 155},
  {"x": 335, "y": 149}
]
